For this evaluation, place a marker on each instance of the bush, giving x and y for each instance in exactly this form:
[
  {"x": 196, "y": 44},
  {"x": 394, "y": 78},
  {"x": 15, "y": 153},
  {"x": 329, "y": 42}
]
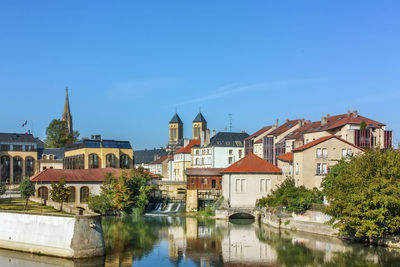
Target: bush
[{"x": 296, "y": 199}]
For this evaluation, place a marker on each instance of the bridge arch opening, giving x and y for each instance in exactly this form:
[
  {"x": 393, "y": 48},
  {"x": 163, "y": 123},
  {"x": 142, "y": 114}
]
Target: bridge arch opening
[{"x": 241, "y": 215}]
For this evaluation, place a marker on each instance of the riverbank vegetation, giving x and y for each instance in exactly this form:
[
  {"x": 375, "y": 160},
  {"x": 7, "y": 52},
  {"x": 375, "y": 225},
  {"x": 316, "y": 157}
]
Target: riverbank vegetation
[
  {"x": 18, "y": 205},
  {"x": 127, "y": 193},
  {"x": 364, "y": 194},
  {"x": 294, "y": 199}
]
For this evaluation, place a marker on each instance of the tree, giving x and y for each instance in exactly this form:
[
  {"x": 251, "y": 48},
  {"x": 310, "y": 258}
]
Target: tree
[
  {"x": 59, "y": 192},
  {"x": 363, "y": 125},
  {"x": 27, "y": 190},
  {"x": 364, "y": 194},
  {"x": 105, "y": 202},
  {"x": 296, "y": 199},
  {"x": 57, "y": 134}
]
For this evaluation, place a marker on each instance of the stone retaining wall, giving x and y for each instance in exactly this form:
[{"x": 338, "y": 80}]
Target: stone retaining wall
[{"x": 61, "y": 236}]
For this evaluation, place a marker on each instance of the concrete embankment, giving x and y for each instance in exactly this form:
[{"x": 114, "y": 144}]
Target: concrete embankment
[{"x": 61, "y": 236}]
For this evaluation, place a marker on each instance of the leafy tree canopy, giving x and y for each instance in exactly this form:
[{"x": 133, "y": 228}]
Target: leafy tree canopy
[
  {"x": 364, "y": 194},
  {"x": 27, "y": 189},
  {"x": 57, "y": 134},
  {"x": 297, "y": 199},
  {"x": 2, "y": 188},
  {"x": 60, "y": 192}
]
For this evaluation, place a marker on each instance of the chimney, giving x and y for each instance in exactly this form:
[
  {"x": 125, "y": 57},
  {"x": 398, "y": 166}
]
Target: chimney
[
  {"x": 277, "y": 123},
  {"x": 202, "y": 136},
  {"x": 214, "y": 132},
  {"x": 287, "y": 120},
  {"x": 348, "y": 112},
  {"x": 185, "y": 142},
  {"x": 243, "y": 131},
  {"x": 355, "y": 113},
  {"x": 308, "y": 121},
  {"x": 323, "y": 121},
  {"x": 207, "y": 141},
  {"x": 301, "y": 122},
  {"x": 328, "y": 116}
]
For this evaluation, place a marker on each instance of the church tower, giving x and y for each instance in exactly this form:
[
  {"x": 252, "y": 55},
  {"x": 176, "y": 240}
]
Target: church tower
[
  {"x": 67, "y": 117},
  {"x": 199, "y": 126},
  {"x": 175, "y": 129}
]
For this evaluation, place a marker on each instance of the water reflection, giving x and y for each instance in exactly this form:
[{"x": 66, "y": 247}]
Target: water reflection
[{"x": 178, "y": 241}]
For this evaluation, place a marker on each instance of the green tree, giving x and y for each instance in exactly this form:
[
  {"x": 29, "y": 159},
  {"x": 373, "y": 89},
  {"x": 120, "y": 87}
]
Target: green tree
[
  {"x": 27, "y": 190},
  {"x": 57, "y": 134},
  {"x": 363, "y": 125},
  {"x": 364, "y": 194},
  {"x": 296, "y": 199},
  {"x": 60, "y": 192},
  {"x": 105, "y": 202}
]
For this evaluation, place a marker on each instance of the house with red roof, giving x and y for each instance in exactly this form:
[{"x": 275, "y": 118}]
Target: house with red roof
[
  {"x": 159, "y": 166},
  {"x": 310, "y": 163},
  {"x": 84, "y": 182},
  {"x": 256, "y": 138},
  {"x": 249, "y": 180}
]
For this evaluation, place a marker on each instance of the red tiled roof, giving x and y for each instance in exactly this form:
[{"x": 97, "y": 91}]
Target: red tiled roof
[
  {"x": 259, "y": 132},
  {"x": 204, "y": 171},
  {"x": 160, "y": 160},
  {"x": 186, "y": 149},
  {"x": 284, "y": 127},
  {"x": 298, "y": 133},
  {"x": 152, "y": 174},
  {"x": 340, "y": 120},
  {"x": 288, "y": 157},
  {"x": 323, "y": 139},
  {"x": 88, "y": 175},
  {"x": 252, "y": 164}
]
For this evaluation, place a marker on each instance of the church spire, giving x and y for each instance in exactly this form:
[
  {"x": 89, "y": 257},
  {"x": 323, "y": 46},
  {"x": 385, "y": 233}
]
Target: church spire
[{"x": 67, "y": 117}]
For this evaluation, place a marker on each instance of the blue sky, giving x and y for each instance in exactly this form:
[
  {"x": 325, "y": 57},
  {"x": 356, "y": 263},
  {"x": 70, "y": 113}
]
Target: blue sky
[{"x": 130, "y": 64}]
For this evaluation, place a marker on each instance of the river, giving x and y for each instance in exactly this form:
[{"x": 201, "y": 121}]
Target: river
[{"x": 178, "y": 241}]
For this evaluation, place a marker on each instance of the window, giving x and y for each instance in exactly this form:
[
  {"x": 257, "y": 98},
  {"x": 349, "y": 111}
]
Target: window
[
  {"x": 324, "y": 168},
  {"x": 17, "y": 168},
  {"x": 297, "y": 168},
  {"x": 349, "y": 152},
  {"x": 230, "y": 160},
  {"x": 125, "y": 162},
  {"x": 230, "y": 151},
  {"x": 197, "y": 151},
  {"x": 111, "y": 161},
  {"x": 44, "y": 168},
  {"x": 5, "y": 169},
  {"x": 29, "y": 148},
  {"x": 192, "y": 180},
  {"x": 17, "y": 147},
  {"x": 325, "y": 153},
  {"x": 318, "y": 172},
  {"x": 29, "y": 166},
  {"x": 93, "y": 161},
  {"x": 318, "y": 152},
  {"x": 240, "y": 154},
  {"x": 71, "y": 197},
  {"x": 213, "y": 183},
  {"x": 204, "y": 181},
  {"x": 263, "y": 185},
  {"x": 5, "y": 147},
  {"x": 44, "y": 157},
  {"x": 240, "y": 186},
  {"x": 84, "y": 194},
  {"x": 344, "y": 153},
  {"x": 43, "y": 192}
]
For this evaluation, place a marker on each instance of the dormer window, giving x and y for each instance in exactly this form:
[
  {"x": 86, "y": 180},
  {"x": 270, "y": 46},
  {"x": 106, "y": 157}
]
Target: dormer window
[
  {"x": 44, "y": 157},
  {"x": 51, "y": 157}
]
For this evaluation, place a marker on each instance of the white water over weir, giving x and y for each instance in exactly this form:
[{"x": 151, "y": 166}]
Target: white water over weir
[{"x": 160, "y": 208}]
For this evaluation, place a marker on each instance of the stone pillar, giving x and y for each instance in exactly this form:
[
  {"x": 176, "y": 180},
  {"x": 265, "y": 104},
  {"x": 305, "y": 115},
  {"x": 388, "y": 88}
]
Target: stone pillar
[
  {"x": 191, "y": 200},
  {"x": 23, "y": 168},
  {"x": 11, "y": 170}
]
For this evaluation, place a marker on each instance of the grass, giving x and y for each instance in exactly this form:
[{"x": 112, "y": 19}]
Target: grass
[{"x": 18, "y": 205}]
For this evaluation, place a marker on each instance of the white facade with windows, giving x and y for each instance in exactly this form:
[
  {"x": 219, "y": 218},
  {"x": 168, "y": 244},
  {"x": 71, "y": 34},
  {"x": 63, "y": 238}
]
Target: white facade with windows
[{"x": 216, "y": 157}]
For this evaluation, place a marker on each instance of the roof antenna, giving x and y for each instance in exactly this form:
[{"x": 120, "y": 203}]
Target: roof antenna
[{"x": 230, "y": 122}]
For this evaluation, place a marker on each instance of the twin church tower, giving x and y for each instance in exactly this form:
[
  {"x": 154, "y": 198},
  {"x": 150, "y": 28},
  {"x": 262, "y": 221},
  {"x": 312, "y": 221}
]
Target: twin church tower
[{"x": 176, "y": 139}]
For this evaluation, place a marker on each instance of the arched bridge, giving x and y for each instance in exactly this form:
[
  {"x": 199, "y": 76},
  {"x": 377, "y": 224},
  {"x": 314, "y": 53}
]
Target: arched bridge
[{"x": 237, "y": 213}]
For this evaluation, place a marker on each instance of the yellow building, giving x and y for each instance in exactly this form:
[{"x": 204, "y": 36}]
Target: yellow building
[
  {"x": 18, "y": 157},
  {"x": 96, "y": 153}
]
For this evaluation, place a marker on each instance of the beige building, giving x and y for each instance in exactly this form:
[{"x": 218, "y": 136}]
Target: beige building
[
  {"x": 51, "y": 158},
  {"x": 18, "y": 157},
  {"x": 183, "y": 160},
  {"x": 83, "y": 183},
  {"x": 249, "y": 180},
  {"x": 98, "y": 153},
  {"x": 310, "y": 163}
]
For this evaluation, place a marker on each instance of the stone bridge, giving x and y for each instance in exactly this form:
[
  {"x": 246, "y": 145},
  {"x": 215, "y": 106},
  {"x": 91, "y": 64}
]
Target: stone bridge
[{"x": 237, "y": 213}]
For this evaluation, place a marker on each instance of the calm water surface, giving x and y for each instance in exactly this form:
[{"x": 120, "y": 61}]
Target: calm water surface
[{"x": 178, "y": 241}]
